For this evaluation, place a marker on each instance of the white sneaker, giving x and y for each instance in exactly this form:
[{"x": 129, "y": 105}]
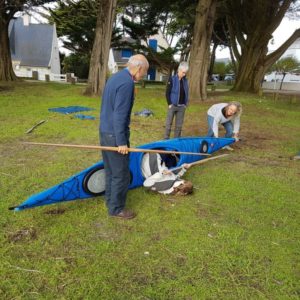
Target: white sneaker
[{"x": 227, "y": 148}]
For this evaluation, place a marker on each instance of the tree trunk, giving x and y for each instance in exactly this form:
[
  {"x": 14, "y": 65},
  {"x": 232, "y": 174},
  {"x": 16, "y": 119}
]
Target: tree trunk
[
  {"x": 284, "y": 73},
  {"x": 250, "y": 34},
  {"x": 251, "y": 68},
  {"x": 199, "y": 58},
  {"x": 100, "y": 52},
  {"x": 6, "y": 69},
  {"x": 212, "y": 61},
  {"x": 255, "y": 62},
  {"x": 233, "y": 61}
]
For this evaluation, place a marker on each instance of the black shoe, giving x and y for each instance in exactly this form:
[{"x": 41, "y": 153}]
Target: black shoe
[{"x": 125, "y": 214}]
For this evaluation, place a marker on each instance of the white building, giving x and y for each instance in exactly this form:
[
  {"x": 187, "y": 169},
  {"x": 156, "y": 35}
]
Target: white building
[
  {"x": 291, "y": 77},
  {"x": 34, "y": 47},
  {"x": 293, "y": 50},
  {"x": 118, "y": 57}
]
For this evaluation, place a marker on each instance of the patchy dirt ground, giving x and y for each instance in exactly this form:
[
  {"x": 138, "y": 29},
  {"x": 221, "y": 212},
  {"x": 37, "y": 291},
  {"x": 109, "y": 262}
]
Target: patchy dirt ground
[
  {"x": 5, "y": 89},
  {"x": 55, "y": 211},
  {"x": 21, "y": 235}
]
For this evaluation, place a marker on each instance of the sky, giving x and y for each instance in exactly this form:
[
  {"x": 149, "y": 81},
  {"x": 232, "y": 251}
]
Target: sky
[{"x": 281, "y": 34}]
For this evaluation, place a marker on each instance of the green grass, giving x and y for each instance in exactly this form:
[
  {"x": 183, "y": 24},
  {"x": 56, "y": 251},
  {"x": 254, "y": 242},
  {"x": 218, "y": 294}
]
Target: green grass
[{"x": 236, "y": 237}]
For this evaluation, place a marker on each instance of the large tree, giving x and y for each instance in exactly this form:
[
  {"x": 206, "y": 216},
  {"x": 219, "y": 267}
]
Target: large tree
[
  {"x": 8, "y": 8},
  {"x": 200, "y": 50},
  {"x": 173, "y": 18},
  {"x": 76, "y": 21},
  {"x": 100, "y": 51},
  {"x": 219, "y": 38},
  {"x": 142, "y": 19},
  {"x": 251, "y": 24},
  {"x": 181, "y": 25}
]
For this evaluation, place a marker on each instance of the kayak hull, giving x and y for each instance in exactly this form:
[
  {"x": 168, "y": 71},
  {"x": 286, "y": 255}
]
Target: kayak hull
[{"x": 91, "y": 181}]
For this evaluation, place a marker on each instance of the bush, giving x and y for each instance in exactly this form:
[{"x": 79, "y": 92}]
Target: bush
[{"x": 77, "y": 64}]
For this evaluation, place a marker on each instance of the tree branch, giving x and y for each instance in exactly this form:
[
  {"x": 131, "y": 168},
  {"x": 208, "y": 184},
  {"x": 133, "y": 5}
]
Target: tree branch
[
  {"x": 272, "y": 57},
  {"x": 279, "y": 16},
  {"x": 233, "y": 41}
]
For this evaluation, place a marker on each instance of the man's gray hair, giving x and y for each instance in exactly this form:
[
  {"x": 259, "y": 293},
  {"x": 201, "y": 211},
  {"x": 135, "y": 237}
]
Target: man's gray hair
[
  {"x": 138, "y": 61},
  {"x": 184, "y": 66}
]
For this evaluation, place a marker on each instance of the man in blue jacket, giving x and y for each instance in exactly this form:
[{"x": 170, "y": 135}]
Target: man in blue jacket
[
  {"x": 117, "y": 102},
  {"x": 177, "y": 94}
]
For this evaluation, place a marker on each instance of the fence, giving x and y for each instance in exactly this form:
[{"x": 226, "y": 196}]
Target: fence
[
  {"x": 288, "y": 86},
  {"x": 43, "y": 76},
  {"x": 69, "y": 77},
  {"x": 58, "y": 77}
]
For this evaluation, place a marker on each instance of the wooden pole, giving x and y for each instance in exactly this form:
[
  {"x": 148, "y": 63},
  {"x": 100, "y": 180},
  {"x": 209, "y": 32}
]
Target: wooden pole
[
  {"x": 201, "y": 161},
  {"x": 36, "y": 125},
  {"x": 106, "y": 148}
]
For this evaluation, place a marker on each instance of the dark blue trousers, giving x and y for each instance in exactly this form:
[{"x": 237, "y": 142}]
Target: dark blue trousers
[{"x": 117, "y": 175}]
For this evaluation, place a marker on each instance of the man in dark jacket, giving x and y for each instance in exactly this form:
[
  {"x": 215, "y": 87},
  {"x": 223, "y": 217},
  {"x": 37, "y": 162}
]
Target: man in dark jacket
[
  {"x": 177, "y": 95},
  {"x": 117, "y": 102}
]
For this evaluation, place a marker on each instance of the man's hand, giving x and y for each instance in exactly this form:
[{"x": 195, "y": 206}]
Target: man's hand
[
  {"x": 167, "y": 172},
  {"x": 123, "y": 149},
  {"x": 236, "y": 137},
  {"x": 170, "y": 105}
]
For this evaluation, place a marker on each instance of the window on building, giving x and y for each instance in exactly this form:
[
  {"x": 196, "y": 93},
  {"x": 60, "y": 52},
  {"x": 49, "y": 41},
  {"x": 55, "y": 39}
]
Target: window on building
[
  {"x": 126, "y": 53},
  {"x": 153, "y": 44}
]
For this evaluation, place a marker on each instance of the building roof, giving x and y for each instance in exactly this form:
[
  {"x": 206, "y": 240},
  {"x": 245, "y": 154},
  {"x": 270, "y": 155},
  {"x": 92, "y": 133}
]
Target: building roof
[
  {"x": 128, "y": 40},
  {"x": 31, "y": 44},
  {"x": 118, "y": 57},
  {"x": 117, "y": 52}
]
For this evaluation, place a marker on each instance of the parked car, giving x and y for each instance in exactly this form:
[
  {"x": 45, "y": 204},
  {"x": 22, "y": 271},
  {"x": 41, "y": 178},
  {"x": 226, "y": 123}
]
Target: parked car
[
  {"x": 215, "y": 77},
  {"x": 229, "y": 77}
]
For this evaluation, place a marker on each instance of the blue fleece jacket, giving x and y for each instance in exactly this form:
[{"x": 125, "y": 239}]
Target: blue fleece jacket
[
  {"x": 117, "y": 102},
  {"x": 173, "y": 90}
]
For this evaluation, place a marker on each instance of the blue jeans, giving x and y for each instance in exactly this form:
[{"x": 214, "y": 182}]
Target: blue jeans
[
  {"x": 117, "y": 175},
  {"x": 227, "y": 125}
]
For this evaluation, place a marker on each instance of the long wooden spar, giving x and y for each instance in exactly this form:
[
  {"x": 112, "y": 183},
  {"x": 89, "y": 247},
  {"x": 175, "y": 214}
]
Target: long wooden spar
[
  {"x": 199, "y": 162},
  {"x": 107, "y": 148}
]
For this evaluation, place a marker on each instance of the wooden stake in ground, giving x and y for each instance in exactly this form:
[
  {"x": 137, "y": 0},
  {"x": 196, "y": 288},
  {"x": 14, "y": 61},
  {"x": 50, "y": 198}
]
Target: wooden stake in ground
[{"x": 106, "y": 148}]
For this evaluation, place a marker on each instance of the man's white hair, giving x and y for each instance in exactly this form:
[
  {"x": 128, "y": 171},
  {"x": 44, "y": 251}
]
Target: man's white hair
[
  {"x": 138, "y": 61},
  {"x": 184, "y": 66}
]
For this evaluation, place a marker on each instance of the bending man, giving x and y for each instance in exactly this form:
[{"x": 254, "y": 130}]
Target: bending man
[{"x": 227, "y": 114}]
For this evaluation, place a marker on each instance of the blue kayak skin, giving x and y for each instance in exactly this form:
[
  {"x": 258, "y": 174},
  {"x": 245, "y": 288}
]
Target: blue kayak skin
[{"x": 73, "y": 188}]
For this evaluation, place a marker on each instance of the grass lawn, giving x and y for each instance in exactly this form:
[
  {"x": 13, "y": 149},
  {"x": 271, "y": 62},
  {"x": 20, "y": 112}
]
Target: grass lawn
[{"x": 236, "y": 237}]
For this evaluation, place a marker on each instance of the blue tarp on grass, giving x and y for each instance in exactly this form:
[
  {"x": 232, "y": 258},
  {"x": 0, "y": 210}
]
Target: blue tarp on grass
[
  {"x": 144, "y": 113},
  {"x": 70, "y": 109},
  {"x": 84, "y": 117}
]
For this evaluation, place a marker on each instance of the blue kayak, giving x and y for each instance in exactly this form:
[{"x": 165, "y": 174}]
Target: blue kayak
[{"x": 91, "y": 181}]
